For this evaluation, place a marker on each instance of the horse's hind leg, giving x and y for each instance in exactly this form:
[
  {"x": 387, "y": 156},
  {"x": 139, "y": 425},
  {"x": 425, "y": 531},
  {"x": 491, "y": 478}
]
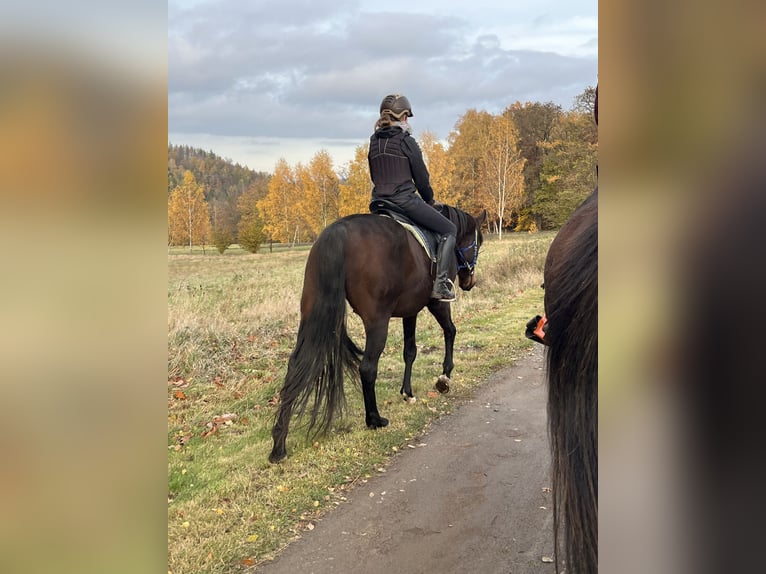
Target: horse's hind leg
[
  {"x": 368, "y": 371},
  {"x": 443, "y": 315},
  {"x": 410, "y": 352}
]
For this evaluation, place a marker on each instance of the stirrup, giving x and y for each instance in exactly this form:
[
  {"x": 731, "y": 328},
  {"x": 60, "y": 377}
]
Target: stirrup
[{"x": 445, "y": 292}]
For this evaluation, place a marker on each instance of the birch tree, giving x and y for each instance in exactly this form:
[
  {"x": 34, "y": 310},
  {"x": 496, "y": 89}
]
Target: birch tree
[
  {"x": 440, "y": 168},
  {"x": 466, "y": 149},
  {"x": 502, "y": 170},
  {"x": 188, "y": 214},
  {"x": 319, "y": 191},
  {"x": 281, "y": 220}
]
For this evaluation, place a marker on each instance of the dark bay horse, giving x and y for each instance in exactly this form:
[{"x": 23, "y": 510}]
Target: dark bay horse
[
  {"x": 570, "y": 331},
  {"x": 378, "y": 266}
]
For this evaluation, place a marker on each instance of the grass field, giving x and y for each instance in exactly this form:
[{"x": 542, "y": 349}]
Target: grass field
[{"x": 232, "y": 322}]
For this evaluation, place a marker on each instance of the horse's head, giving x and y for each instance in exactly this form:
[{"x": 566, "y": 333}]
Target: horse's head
[{"x": 469, "y": 240}]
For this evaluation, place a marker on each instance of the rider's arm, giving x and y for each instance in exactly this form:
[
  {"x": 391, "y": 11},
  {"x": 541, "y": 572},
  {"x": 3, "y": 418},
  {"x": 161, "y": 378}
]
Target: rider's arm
[{"x": 419, "y": 171}]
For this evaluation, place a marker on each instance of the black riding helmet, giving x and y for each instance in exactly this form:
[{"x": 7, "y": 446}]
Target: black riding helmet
[{"x": 397, "y": 105}]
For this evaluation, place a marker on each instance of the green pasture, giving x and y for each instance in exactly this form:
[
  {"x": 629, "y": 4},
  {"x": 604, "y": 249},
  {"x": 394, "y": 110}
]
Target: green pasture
[{"x": 232, "y": 321}]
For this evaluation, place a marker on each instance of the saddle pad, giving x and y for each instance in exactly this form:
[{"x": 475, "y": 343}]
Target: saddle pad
[{"x": 425, "y": 239}]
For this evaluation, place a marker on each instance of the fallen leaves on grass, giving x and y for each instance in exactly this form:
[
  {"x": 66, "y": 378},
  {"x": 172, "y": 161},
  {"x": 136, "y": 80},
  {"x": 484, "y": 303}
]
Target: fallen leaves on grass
[
  {"x": 180, "y": 395},
  {"x": 180, "y": 439},
  {"x": 218, "y": 422}
]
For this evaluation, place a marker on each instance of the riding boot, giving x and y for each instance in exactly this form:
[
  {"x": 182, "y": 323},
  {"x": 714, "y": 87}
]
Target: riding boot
[{"x": 443, "y": 288}]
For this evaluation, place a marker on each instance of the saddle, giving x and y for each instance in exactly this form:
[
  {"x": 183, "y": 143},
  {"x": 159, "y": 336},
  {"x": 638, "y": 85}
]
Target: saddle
[{"x": 427, "y": 238}]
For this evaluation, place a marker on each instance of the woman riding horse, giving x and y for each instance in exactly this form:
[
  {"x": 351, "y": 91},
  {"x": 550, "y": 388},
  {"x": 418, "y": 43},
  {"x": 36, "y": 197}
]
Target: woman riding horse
[{"x": 397, "y": 169}]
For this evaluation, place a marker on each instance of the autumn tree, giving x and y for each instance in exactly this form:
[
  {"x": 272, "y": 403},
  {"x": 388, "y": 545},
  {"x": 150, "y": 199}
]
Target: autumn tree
[
  {"x": 221, "y": 237},
  {"x": 281, "y": 220},
  {"x": 568, "y": 173},
  {"x": 319, "y": 191},
  {"x": 535, "y": 122},
  {"x": 501, "y": 170},
  {"x": 356, "y": 191},
  {"x": 585, "y": 103},
  {"x": 440, "y": 167},
  {"x": 224, "y": 219},
  {"x": 250, "y": 228},
  {"x": 188, "y": 215},
  {"x": 467, "y": 143}
]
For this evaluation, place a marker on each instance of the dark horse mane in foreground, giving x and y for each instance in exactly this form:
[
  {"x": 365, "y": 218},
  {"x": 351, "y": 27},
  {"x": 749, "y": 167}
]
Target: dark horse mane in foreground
[{"x": 571, "y": 335}]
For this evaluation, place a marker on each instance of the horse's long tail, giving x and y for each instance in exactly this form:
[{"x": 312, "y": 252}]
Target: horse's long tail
[
  {"x": 573, "y": 403},
  {"x": 323, "y": 351}
]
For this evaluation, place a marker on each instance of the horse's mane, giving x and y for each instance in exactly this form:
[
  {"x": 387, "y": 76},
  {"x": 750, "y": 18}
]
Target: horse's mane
[{"x": 457, "y": 216}]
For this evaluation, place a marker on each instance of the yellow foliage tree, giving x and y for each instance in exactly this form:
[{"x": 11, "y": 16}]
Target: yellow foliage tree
[
  {"x": 250, "y": 227},
  {"x": 356, "y": 191},
  {"x": 319, "y": 192},
  {"x": 281, "y": 220},
  {"x": 502, "y": 170},
  {"x": 468, "y": 142},
  {"x": 440, "y": 169},
  {"x": 188, "y": 214}
]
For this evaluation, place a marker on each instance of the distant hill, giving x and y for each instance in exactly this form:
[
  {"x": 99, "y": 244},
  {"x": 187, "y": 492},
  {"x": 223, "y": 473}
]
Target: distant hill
[{"x": 223, "y": 180}]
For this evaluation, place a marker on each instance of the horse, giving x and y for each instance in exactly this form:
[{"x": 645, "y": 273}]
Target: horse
[
  {"x": 379, "y": 267},
  {"x": 569, "y": 329}
]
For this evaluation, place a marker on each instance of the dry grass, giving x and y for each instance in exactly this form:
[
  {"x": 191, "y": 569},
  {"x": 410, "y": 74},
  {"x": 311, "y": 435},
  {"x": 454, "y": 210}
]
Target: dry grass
[{"x": 232, "y": 322}]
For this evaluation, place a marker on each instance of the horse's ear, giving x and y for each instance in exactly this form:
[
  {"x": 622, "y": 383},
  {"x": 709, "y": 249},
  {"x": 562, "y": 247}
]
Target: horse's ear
[{"x": 481, "y": 219}]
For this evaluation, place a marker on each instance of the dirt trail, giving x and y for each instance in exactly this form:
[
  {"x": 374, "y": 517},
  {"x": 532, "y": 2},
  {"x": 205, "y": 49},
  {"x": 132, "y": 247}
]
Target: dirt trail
[{"x": 474, "y": 499}]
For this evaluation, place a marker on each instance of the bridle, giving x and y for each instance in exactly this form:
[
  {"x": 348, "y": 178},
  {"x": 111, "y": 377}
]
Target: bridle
[{"x": 462, "y": 261}]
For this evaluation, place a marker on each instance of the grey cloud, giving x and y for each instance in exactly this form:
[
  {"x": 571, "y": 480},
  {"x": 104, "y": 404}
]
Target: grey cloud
[{"x": 251, "y": 69}]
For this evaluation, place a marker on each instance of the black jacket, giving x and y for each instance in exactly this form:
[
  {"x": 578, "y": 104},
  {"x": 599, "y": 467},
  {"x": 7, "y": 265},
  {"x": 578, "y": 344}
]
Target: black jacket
[{"x": 396, "y": 164}]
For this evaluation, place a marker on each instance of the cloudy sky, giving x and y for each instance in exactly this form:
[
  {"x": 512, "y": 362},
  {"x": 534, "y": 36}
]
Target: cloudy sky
[{"x": 259, "y": 80}]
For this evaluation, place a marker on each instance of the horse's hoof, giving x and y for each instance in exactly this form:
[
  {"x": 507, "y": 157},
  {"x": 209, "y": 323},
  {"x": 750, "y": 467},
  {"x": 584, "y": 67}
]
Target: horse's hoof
[
  {"x": 376, "y": 422},
  {"x": 276, "y": 457},
  {"x": 408, "y": 399},
  {"x": 442, "y": 384}
]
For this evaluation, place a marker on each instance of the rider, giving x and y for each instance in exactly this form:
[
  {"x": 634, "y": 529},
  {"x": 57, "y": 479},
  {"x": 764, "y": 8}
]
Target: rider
[{"x": 397, "y": 170}]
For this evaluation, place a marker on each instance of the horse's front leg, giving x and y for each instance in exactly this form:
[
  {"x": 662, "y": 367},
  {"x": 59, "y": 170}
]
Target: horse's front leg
[
  {"x": 368, "y": 371},
  {"x": 443, "y": 315},
  {"x": 410, "y": 352}
]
